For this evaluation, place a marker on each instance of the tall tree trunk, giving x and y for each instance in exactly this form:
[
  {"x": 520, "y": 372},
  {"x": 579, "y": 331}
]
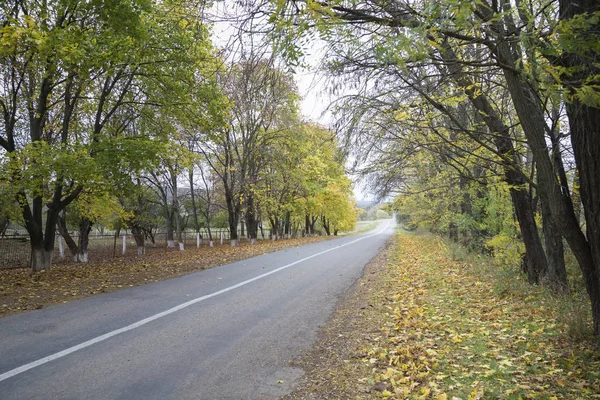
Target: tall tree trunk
[
  {"x": 251, "y": 221},
  {"x": 233, "y": 217},
  {"x": 313, "y": 221},
  {"x": 193, "y": 198},
  {"x": 42, "y": 235},
  {"x": 175, "y": 209},
  {"x": 61, "y": 224},
  {"x": 280, "y": 227},
  {"x": 170, "y": 229},
  {"x": 585, "y": 135},
  {"x": 41, "y": 257},
  {"x": 117, "y": 232},
  {"x": 42, "y": 243},
  {"x": 140, "y": 238},
  {"x": 85, "y": 227},
  {"x": 288, "y": 224},
  {"x": 79, "y": 250},
  {"x": 325, "y": 224},
  {"x": 536, "y": 257},
  {"x": 557, "y": 273},
  {"x": 584, "y": 123},
  {"x": 274, "y": 221}
]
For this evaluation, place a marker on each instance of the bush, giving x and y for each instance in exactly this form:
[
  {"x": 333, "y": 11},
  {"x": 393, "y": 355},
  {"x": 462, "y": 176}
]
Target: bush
[{"x": 382, "y": 214}]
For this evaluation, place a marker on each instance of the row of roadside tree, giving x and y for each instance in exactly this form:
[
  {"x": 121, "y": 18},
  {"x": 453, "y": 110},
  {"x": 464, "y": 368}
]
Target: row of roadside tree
[{"x": 113, "y": 109}]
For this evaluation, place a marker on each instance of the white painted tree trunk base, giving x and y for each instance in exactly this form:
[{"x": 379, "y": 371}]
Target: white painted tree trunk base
[
  {"x": 233, "y": 243},
  {"x": 181, "y": 246},
  {"x": 211, "y": 243},
  {"x": 40, "y": 259},
  {"x": 141, "y": 250},
  {"x": 61, "y": 247},
  {"x": 170, "y": 244},
  {"x": 81, "y": 257}
]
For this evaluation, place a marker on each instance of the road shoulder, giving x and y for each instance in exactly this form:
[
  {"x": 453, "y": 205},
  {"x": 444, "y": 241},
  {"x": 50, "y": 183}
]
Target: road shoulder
[{"x": 330, "y": 366}]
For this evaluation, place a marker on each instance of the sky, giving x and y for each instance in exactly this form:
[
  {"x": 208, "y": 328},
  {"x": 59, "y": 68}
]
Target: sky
[{"x": 311, "y": 85}]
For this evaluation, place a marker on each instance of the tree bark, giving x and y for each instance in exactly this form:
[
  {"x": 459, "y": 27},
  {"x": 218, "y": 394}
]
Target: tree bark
[
  {"x": 42, "y": 235},
  {"x": 325, "y": 225},
  {"x": 233, "y": 216},
  {"x": 585, "y": 135},
  {"x": 170, "y": 229},
  {"x": 41, "y": 258},
  {"x": 175, "y": 209},
  {"x": 251, "y": 221},
  {"x": 584, "y": 123},
  {"x": 556, "y": 276},
  {"x": 313, "y": 221},
  {"x": 140, "y": 239},
  {"x": 85, "y": 227},
  {"x": 61, "y": 224},
  {"x": 583, "y": 126},
  {"x": 288, "y": 224},
  {"x": 307, "y": 224},
  {"x": 193, "y": 198}
]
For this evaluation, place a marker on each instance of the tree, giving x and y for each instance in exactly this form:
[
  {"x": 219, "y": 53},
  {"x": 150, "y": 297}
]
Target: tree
[
  {"x": 61, "y": 108},
  {"x": 464, "y": 41},
  {"x": 263, "y": 100},
  {"x": 578, "y": 62},
  {"x": 513, "y": 41}
]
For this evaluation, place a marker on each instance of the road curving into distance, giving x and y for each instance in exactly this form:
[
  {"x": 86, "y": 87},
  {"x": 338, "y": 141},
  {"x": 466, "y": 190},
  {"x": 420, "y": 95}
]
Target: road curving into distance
[{"x": 223, "y": 333}]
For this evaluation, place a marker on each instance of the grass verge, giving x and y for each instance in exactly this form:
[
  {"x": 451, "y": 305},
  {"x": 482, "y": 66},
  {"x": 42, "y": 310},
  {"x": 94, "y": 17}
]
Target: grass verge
[{"x": 428, "y": 325}]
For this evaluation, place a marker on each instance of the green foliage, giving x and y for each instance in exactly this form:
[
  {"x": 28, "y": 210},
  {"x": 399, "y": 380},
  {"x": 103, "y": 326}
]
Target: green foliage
[
  {"x": 382, "y": 214},
  {"x": 95, "y": 91},
  {"x": 220, "y": 220}
]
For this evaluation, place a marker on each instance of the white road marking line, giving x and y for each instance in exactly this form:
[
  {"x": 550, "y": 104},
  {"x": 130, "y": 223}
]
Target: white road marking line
[{"x": 144, "y": 321}]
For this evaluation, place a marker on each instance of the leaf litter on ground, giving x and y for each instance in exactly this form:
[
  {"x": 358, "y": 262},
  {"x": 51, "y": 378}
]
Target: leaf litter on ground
[
  {"x": 22, "y": 290},
  {"x": 422, "y": 325}
]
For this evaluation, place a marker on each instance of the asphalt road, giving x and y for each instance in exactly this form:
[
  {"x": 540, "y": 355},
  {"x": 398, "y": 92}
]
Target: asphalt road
[{"x": 223, "y": 333}]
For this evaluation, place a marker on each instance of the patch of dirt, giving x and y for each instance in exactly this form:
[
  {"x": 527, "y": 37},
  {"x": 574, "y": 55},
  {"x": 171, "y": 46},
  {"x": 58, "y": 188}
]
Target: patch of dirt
[
  {"x": 331, "y": 370},
  {"x": 22, "y": 290}
]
